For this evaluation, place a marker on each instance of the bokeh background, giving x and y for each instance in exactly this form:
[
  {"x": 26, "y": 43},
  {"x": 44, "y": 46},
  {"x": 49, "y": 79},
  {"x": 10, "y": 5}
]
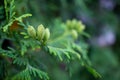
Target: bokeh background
[{"x": 102, "y": 21}]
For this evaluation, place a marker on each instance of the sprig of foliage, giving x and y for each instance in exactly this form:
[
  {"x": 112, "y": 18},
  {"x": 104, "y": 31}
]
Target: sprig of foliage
[
  {"x": 5, "y": 28},
  {"x": 29, "y": 72},
  {"x": 20, "y": 61},
  {"x": 60, "y": 53},
  {"x": 10, "y": 14},
  {"x": 9, "y": 9},
  {"x": 30, "y": 39},
  {"x": 6, "y": 9},
  {"x": 7, "y": 53}
]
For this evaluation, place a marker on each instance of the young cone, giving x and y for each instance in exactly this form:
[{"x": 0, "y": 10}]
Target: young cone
[
  {"x": 80, "y": 27},
  {"x": 40, "y": 31},
  {"x": 47, "y": 34},
  {"x": 31, "y": 31},
  {"x": 74, "y": 34}
]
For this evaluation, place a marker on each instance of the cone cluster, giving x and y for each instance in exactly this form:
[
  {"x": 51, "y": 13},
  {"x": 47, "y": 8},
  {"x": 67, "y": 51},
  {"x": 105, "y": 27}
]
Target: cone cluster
[
  {"x": 75, "y": 27},
  {"x": 42, "y": 34},
  {"x": 74, "y": 24}
]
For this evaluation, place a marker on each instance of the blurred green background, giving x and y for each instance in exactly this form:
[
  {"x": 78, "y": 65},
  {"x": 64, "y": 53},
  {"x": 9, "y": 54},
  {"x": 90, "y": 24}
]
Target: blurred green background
[{"x": 102, "y": 20}]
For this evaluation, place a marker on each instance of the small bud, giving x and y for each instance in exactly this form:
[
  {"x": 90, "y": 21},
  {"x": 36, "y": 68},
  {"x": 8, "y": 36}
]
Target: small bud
[
  {"x": 80, "y": 27},
  {"x": 31, "y": 31},
  {"x": 74, "y": 34},
  {"x": 71, "y": 24},
  {"x": 74, "y": 23},
  {"x": 47, "y": 34},
  {"x": 40, "y": 31},
  {"x": 68, "y": 24}
]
